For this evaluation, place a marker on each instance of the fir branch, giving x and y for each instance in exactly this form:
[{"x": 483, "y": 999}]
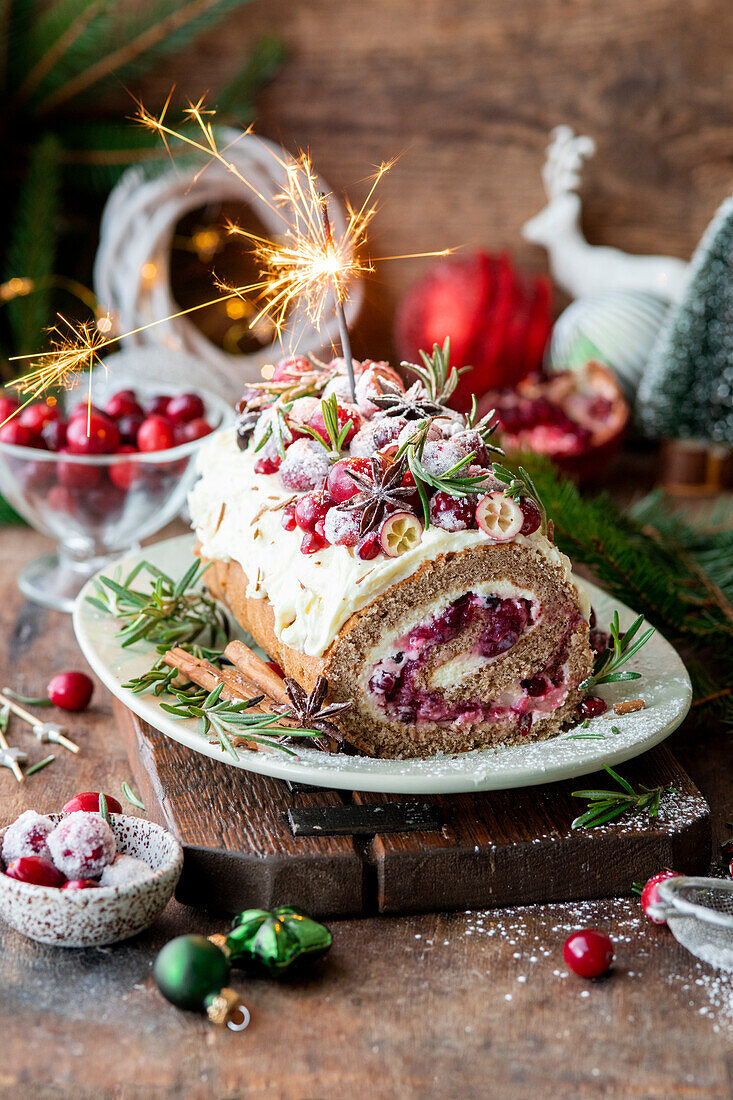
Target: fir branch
[
  {"x": 31, "y": 251},
  {"x": 436, "y": 374},
  {"x": 622, "y": 649},
  {"x": 605, "y": 806},
  {"x": 55, "y": 31}
]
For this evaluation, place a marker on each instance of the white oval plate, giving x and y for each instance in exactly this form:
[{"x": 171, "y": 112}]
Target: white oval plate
[{"x": 665, "y": 687}]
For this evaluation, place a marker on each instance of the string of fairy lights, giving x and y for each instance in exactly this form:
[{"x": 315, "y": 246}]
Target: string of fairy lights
[{"x": 309, "y": 263}]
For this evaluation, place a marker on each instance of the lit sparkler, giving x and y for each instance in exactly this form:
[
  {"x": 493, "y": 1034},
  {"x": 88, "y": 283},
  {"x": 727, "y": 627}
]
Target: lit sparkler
[{"x": 309, "y": 264}]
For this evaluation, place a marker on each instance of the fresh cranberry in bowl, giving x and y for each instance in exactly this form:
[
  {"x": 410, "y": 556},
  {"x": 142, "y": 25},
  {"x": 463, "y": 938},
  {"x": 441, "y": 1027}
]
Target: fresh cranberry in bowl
[
  {"x": 125, "y": 474},
  {"x": 53, "y": 435},
  {"x": 88, "y": 801},
  {"x": 96, "y": 436},
  {"x": 35, "y": 870},
  {"x": 184, "y": 408},
  {"x": 20, "y": 435},
  {"x": 192, "y": 429},
  {"x": 158, "y": 405},
  {"x": 77, "y": 475},
  {"x": 8, "y": 406},
  {"x": 80, "y": 884},
  {"x": 155, "y": 434},
  {"x": 38, "y": 415},
  {"x": 123, "y": 403}
]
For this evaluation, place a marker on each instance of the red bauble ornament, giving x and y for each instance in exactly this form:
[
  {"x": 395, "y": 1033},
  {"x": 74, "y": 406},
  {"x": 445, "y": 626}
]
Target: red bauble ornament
[
  {"x": 588, "y": 953},
  {"x": 498, "y": 320}
]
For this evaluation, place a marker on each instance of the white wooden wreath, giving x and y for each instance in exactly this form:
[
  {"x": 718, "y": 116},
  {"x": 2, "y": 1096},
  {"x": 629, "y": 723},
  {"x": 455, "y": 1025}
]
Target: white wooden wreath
[{"x": 132, "y": 265}]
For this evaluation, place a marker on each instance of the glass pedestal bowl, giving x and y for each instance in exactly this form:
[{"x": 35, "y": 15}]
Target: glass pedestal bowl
[{"x": 96, "y": 507}]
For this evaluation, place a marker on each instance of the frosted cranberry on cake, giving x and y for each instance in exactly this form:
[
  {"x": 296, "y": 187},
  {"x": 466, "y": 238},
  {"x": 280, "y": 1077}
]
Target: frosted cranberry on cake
[{"x": 375, "y": 539}]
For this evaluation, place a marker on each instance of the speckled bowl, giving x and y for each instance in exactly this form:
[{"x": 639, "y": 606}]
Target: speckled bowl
[{"x": 89, "y": 918}]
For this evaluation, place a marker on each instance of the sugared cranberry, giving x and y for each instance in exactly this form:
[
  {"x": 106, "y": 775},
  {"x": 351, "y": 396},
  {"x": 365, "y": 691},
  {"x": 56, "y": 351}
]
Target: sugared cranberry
[
  {"x": 305, "y": 465},
  {"x": 588, "y": 953},
  {"x": 342, "y": 528},
  {"x": 88, "y": 801},
  {"x": 82, "y": 845},
  {"x": 129, "y": 426},
  {"x": 80, "y": 884},
  {"x": 312, "y": 507},
  {"x": 194, "y": 429},
  {"x": 158, "y": 405},
  {"x": 289, "y": 521},
  {"x": 77, "y": 475},
  {"x": 8, "y": 405},
  {"x": 27, "y": 837},
  {"x": 123, "y": 403},
  {"x": 124, "y": 474},
  {"x": 53, "y": 435},
  {"x": 268, "y": 465},
  {"x": 20, "y": 435},
  {"x": 184, "y": 408},
  {"x": 368, "y": 546},
  {"x": 340, "y": 485},
  {"x": 155, "y": 434},
  {"x": 38, "y": 415},
  {"x": 97, "y": 436},
  {"x": 36, "y": 870},
  {"x": 311, "y": 543},
  {"x": 291, "y": 367},
  {"x": 452, "y": 513},
  {"x": 70, "y": 690},
  {"x": 593, "y": 706},
  {"x": 531, "y": 513},
  {"x": 650, "y": 894}
]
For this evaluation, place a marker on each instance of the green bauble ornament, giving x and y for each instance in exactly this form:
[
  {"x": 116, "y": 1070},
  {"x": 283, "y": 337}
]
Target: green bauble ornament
[
  {"x": 276, "y": 939},
  {"x": 189, "y": 970}
]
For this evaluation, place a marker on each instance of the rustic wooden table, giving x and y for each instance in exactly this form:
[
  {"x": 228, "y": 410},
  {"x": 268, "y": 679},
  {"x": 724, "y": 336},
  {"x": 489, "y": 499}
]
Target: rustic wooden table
[{"x": 475, "y": 1004}]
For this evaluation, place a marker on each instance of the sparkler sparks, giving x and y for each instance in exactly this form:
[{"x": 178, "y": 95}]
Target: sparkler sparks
[{"x": 309, "y": 265}]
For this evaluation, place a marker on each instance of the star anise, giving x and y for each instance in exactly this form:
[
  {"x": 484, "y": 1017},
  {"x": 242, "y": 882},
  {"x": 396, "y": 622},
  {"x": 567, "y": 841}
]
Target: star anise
[
  {"x": 309, "y": 710},
  {"x": 413, "y": 404},
  {"x": 379, "y": 493}
]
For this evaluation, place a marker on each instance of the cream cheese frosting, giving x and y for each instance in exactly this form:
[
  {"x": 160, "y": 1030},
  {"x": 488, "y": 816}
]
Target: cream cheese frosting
[{"x": 237, "y": 516}]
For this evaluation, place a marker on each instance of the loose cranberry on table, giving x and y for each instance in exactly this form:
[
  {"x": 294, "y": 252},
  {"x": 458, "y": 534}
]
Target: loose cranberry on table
[
  {"x": 88, "y": 801},
  {"x": 650, "y": 894},
  {"x": 96, "y": 436},
  {"x": 588, "y": 953},
  {"x": 35, "y": 870},
  {"x": 184, "y": 408},
  {"x": 155, "y": 434},
  {"x": 70, "y": 690}
]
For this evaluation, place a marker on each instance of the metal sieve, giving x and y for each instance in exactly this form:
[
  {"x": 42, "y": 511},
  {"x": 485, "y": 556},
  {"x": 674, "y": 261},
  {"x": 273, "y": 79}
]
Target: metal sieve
[{"x": 699, "y": 912}]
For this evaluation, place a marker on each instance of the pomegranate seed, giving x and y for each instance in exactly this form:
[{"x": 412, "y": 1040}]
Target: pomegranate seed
[
  {"x": 195, "y": 429},
  {"x": 593, "y": 706},
  {"x": 340, "y": 485},
  {"x": 124, "y": 474},
  {"x": 268, "y": 465},
  {"x": 20, "y": 435},
  {"x": 531, "y": 513},
  {"x": 155, "y": 434},
  {"x": 88, "y": 801},
  {"x": 37, "y": 416},
  {"x": 650, "y": 894},
  {"x": 368, "y": 546},
  {"x": 36, "y": 870},
  {"x": 123, "y": 403},
  {"x": 129, "y": 426},
  {"x": 588, "y": 953},
  {"x": 311, "y": 543},
  {"x": 311, "y": 508},
  {"x": 184, "y": 408},
  {"x": 54, "y": 435},
  {"x": 98, "y": 436},
  {"x": 70, "y": 690},
  {"x": 76, "y": 475},
  {"x": 289, "y": 521},
  {"x": 80, "y": 884}
]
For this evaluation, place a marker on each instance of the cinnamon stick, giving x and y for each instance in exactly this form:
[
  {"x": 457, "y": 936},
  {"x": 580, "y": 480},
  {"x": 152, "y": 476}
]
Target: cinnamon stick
[
  {"x": 255, "y": 670},
  {"x": 207, "y": 676}
]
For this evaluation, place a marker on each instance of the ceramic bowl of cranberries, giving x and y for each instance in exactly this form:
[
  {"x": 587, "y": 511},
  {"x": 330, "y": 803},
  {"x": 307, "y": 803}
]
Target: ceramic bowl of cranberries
[
  {"x": 99, "y": 479},
  {"x": 75, "y": 880}
]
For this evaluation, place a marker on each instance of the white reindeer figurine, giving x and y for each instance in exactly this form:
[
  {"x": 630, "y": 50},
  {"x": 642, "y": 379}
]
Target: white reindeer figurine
[{"x": 580, "y": 268}]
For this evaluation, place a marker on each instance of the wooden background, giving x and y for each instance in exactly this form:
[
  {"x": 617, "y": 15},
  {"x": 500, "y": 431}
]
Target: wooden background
[{"x": 467, "y": 91}]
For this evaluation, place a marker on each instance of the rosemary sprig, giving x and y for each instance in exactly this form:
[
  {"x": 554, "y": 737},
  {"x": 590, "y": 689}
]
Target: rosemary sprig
[
  {"x": 622, "y": 648},
  {"x": 172, "y": 613},
  {"x": 276, "y": 427},
  {"x": 40, "y": 765},
  {"x": 486, "y": 426},
  {"x": 436, "y": 374},
  {"x": 157, "y": 679},
  {"x": 225, "y": 718},
  {"x": 450, "y": 482},
  {"x": 131, "y": 798},
  {"x": 519, "y": 484},
  {"x": 336, "y": 434},
  {"x": 605, "y": 806},
  {"x": 103, "y": 808}
]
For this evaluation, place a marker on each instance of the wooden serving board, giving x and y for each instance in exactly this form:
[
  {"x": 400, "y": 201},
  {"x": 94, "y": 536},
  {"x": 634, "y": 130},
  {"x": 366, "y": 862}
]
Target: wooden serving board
[{"x": 250, "y": 840}]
